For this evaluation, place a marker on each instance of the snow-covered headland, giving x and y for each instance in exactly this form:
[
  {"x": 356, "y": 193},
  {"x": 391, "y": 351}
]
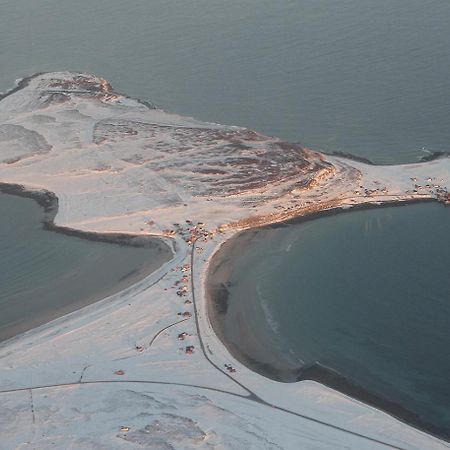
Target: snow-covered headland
[{"x": 118, "y": 165}]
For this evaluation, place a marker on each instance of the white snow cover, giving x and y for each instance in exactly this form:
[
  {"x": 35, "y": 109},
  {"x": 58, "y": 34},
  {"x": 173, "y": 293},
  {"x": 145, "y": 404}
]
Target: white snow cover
[{"x": 118, "y": 165}]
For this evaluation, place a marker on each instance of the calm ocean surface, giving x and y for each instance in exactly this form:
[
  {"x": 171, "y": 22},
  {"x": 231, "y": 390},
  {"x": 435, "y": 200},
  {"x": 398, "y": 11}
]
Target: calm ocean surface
[
  {"x": 44, "y": 275},
  {"x": 360, "y": 76},
  {"x": 366, "y": 292}
]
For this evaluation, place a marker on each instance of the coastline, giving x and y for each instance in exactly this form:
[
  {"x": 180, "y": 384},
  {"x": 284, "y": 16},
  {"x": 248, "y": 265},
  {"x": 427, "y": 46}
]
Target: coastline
[
  {"x": 218, "y": 310},
  {"x": 341, "y": 209},
  {"x": 427, "y": 158},
  {"x": 279, "y": 370},
  {"x": 335, "y": 380},
  {"x": 49, "y": 204},
  {"x": 20, "y": 84},
  {"x": 63, "y": 355}
]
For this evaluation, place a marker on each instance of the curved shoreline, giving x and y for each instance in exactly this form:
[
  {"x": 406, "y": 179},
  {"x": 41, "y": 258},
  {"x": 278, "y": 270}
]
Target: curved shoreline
[
  {"x": 362, "y": 159},
  {"x": 49, "y": 203},
  {"x": 20, "y": 84},
  {"x": 281, "y": 371},
  {"x": 153, "y": 308}
]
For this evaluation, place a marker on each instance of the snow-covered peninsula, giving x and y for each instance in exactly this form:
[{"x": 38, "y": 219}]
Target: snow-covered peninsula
[{"x": 143, "y": 368}]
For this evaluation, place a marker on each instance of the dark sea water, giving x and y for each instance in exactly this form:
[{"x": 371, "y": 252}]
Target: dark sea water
[
  {"x": 44, "y": 274},
  {"x": 365, "y": 293},
  {"x": 360, "y": 76}
]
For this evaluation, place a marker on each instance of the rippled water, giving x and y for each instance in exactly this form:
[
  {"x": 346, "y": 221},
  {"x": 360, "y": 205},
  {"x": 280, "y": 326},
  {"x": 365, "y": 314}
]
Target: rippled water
[
  {"x": 360, "y": 76},
  {"x": 366, "y": 294},
  {"x": 44, "y": 274}
]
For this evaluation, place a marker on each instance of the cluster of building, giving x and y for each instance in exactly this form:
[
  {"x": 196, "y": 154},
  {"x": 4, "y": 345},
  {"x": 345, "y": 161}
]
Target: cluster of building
[
  {"x": 230, "y": 368},
  {"x": 443, "y": 195},
  {"x": 374, "y": 191},
  {"x": 432, "y": 187},
  {"x": 182, "y": 291},
  {"x": 190, "y": 232}
]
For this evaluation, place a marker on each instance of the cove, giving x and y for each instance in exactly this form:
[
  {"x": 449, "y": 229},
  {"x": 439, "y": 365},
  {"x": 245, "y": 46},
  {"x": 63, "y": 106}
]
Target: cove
[
  {"x": 45, "y": 274},
  {"x": 359, "y": 301}
]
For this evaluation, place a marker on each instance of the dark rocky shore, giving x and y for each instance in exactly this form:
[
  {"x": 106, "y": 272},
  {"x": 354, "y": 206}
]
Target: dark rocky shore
[
  {"x": 49, "y": 202},
  {"x": 430, "y": 157},
  {"x": 328, "y": 377},
  {"x": 46, "y": 302},
  {"x": 20, "y": 85}
]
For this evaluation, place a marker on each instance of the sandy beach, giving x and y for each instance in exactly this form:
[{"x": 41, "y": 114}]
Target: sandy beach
[{"x": 242, "y": 326}]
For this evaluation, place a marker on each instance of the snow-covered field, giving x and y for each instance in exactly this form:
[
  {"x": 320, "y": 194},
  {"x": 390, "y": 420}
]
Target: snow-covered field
[{"x": 118, "y": 165}]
